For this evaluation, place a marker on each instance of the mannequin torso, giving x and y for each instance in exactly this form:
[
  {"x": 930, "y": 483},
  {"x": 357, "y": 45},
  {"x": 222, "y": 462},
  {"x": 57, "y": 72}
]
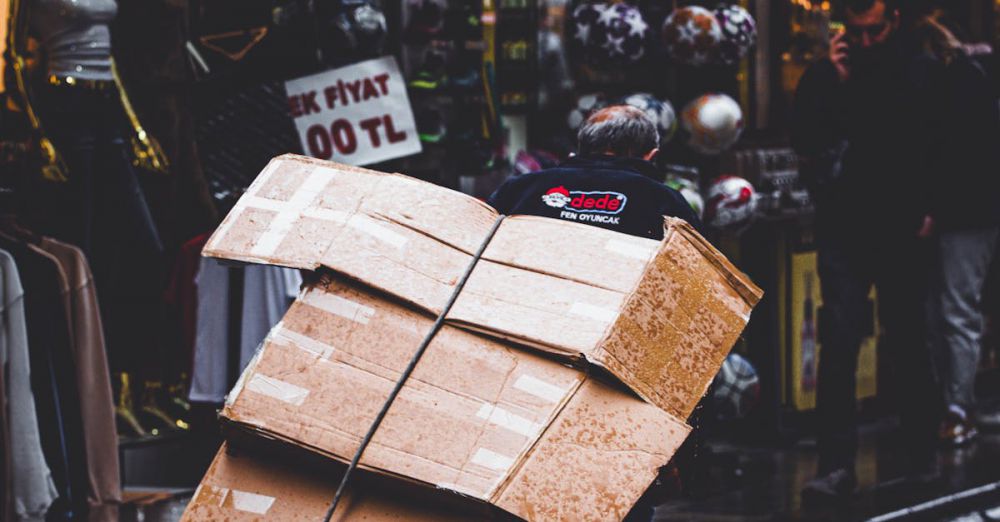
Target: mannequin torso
[{"x": 75, "y": 35}]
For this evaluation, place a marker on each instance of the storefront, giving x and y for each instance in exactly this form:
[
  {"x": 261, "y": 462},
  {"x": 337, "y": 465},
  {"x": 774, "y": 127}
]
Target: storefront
[{"x": 115, "y": 173}]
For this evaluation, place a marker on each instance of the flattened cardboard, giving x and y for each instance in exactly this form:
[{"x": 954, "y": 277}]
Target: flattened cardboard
[
  {"x": 659, "y": 316},
  {"x": 242, "y": 486},
  {"x": 476, "y": 417}
]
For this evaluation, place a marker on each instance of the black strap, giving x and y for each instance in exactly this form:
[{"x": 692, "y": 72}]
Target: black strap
[{"x": 409, "y": 368}]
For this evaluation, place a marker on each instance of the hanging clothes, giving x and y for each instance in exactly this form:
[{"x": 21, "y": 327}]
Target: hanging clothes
[
  {"x": 267, "y": 293},
  {"x": 6, "y": 477},
  {"x": 181, "y": 298},
  {"x": 93, "y": 379},
  {"x": 53, "y": 376},
  {"x": 33, "y": 490}
]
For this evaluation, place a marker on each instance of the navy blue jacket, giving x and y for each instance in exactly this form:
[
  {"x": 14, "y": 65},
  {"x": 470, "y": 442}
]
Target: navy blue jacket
[{"x": 619, "y": 194}]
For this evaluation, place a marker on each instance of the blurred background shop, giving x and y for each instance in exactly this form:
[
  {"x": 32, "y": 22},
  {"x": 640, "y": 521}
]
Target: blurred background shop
[{"x": 115, "y": 172}]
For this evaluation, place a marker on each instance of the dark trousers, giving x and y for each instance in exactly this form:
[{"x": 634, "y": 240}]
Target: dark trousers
[{"x": 848, "y": 267}]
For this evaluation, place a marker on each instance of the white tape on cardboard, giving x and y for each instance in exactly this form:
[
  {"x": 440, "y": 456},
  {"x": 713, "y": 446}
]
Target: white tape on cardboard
[
  {"x": 241, "y": 205},
  {"x": 242, "y": 500},
  {"x": 304, "y": 342},
  {"x": 252, "y": 502},
  {"x": 462, "y": 489},
  {"x": 338, "y": 306},
  {"x": 241, "y": 382},
  {"x": 325, "y": 214},
  {"x": 629, "y": 249},
  {"x": 492, "y": 460},
  {"x": 508, "y": 420},
  {"x": 277, "y": 389},
  {"x": 539, "y": 388},
  {"x": 592, "y": 312},
  {"x": 373, "y": 228},
  {"x": 290, "y": 212}
]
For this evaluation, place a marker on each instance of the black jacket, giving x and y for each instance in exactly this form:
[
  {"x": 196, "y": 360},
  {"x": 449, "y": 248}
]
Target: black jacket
[
  {"x": 965, "y": 177},
  {"x": 903, "y": 138},
  {"x": 619, "y": 194}
]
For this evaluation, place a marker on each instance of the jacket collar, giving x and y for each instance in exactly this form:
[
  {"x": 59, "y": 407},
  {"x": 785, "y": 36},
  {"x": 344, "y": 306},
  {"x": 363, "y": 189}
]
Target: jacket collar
[{"x": 604, "y": 162}]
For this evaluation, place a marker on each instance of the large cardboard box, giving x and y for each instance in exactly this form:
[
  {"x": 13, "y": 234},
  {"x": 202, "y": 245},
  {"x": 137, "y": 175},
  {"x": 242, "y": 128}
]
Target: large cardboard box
[
  {"x": 539, "y": 439},
  {"x": 244, "y": 486},
  {"x": 659, "y": 316}
]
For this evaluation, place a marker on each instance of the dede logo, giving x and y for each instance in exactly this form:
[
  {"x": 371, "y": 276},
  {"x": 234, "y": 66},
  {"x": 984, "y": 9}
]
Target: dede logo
[{"x": 595, "y": 202}]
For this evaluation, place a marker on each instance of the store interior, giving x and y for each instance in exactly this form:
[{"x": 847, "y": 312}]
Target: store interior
[{"x": 198, "y": 107}]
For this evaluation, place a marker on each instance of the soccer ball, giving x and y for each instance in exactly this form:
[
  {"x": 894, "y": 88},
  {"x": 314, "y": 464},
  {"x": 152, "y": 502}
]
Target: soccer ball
[
  {"x": 369, "y": 27},
  {"x": 660, "y": 111},
  {"x": 585, "y": 105},
  {"x": 739, "y": 33},
  {"x": 736, "y": 388},
  {"x": 609, "y": 35},
  {"x": 713, "y": 123},
  {"x": 731, "y": 203},
  {"x": 692, "y": 35},
  {"x": 688, "y": 189}
]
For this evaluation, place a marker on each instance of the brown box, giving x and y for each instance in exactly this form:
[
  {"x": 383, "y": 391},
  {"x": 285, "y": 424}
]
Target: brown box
[
  {"x": 660, "y": 316},
  {"x": 539, "y": 439},
  {"x": 243, "y": 486}
]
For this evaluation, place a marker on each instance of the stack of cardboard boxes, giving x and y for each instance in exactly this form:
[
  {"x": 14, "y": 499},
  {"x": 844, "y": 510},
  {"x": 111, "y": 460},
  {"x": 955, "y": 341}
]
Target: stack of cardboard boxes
[{"x": 556, "y": 389}]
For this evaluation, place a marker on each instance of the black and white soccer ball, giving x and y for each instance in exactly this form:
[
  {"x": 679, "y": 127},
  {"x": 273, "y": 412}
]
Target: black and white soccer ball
[
  {"x": 660, "y": 111},
  {"x": 736, "y": 388},
  {"x": 609, "y": 35},
  {"x": 356, "y": 30},
  {"x": 585, "y": 105},
  {"x": 739, "y": 32}
]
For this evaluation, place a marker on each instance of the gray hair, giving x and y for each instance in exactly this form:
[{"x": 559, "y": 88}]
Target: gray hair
[{"x": 620, "y": 130}]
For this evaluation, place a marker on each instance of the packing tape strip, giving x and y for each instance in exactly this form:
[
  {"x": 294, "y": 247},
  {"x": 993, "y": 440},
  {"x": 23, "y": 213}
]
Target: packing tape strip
[
  {"x": 338, "y": 306},
  {"x": 539, "y": 388},
  {"x": 276, "y": 389},
  {"x": 630, "y": 249},
  {"x": 290, "y": 211},
  {"x": 241, "y": 381},
  {"x": 369, "y": 226},
  {"x": 241, "y": 500},
  {"x": 326, "y": 214},
  {"x": 508, "y": 420},
  {"x": 463, "y": 490},
  {"x": 223, "y": 231},
  {"x": 492, "y": 460},
  {"x": 303, "y": 342},
  {"x": 593, "y": 312}
]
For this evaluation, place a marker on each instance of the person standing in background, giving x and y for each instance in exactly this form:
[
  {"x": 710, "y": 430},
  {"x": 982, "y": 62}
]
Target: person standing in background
[
  {"x": 864, "y": 129},
  {"x": 965, "y": 219}
]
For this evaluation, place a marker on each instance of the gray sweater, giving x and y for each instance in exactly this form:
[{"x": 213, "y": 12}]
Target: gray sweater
[{"x": 33, "y": 489}]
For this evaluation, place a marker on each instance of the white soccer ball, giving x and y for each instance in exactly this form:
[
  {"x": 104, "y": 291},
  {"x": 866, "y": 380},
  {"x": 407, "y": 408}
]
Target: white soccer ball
[{"x": 731, "y": 203}]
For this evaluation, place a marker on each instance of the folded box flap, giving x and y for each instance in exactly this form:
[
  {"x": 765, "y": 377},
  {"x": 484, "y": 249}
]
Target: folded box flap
[
  {"x": 297, "y": 208},
  {"x": 617, "y": 442}
]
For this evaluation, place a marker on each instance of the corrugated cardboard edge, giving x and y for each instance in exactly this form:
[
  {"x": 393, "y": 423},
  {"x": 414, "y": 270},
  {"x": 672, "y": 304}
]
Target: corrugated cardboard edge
[
  {"x": 739, "y": 281},
  {"x": 736, "y": 279}
]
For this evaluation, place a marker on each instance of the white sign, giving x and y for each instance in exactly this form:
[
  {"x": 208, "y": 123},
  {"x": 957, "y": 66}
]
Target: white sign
[{"x": 359, "y": 114}]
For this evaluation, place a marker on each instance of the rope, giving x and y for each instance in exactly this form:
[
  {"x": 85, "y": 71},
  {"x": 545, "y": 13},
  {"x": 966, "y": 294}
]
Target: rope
[{"x": 409, "y": 369}]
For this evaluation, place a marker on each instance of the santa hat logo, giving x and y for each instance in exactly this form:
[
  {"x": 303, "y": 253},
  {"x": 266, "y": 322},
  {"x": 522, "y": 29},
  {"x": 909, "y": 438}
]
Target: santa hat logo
[{"x": 558, "y": 190}]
